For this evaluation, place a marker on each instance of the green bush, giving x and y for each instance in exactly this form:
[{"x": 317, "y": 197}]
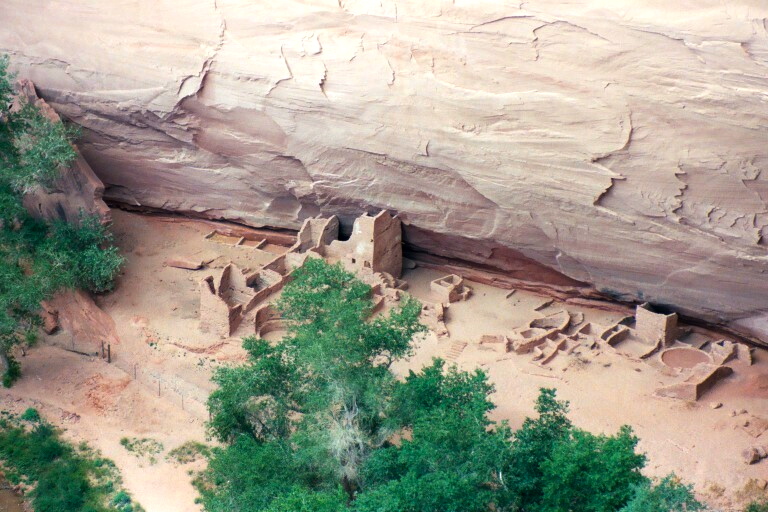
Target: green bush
[
  {"x": 12, "y": 372},
  {"x": 31, "y": 415},
  {"x": 188, "y": 452},
  {"x": 62, "y": 486},
  {"x": 84, "y": 254},
  {"x": 43, "y": 148},
  {"x": 142, "y": 447},
  {"x": 122, "y": 501},
  {"x": 591, "y": 473},
  {"x": 63, "y": 478},
  {"x": 757, "y": 507},
  {"x": 670, "y": 495}
]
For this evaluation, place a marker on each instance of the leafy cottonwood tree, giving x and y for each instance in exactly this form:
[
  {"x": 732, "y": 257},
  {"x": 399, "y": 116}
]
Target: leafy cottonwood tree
[
  {"x": 36, "y": 259},
  {"x": 555, "y": 466},
  {"x": 451, "y": 456},
  {"x": 317, "y": 400}
]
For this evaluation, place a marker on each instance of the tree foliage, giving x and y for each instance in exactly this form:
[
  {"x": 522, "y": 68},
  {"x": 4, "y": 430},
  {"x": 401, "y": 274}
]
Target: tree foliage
[
  {"x": 64, "y": 478},
  {"x": 669, "y": 495},
  {"x": 761, "y": 506},
  {"x": 559, "y": 467},
  {"x": 451, "y": 457},
  {"x": 321, "y": 394},
  {"x": 37, "y": 259}
]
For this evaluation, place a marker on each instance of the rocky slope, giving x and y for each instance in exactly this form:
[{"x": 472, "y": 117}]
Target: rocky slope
[{"x": 620, "y": 142}]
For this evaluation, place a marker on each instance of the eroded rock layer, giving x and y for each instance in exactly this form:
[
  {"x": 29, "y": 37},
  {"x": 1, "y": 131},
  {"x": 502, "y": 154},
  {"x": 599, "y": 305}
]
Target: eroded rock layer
[{"x": 622, "y": 142}]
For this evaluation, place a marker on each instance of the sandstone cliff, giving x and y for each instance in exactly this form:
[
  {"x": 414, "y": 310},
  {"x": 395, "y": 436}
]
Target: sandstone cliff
[{"x": 621, "y": 142}]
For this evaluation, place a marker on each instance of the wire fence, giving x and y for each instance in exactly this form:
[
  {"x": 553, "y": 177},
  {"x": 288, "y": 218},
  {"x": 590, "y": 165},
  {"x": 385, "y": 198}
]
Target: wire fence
[{"x": 189, "y": 397}]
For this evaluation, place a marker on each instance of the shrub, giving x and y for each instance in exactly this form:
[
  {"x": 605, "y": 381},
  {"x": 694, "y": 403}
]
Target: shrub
[
  {"x": 31, "y": 415},
  {"x": 43, "y": 149},
  {"x": 12, "y": 372},
  {"x": 64, "y": 478},
  {"x": 37, "y": 259},
  {"x": 84, "y": 254},
  {"x": 62, "y": 486},
  {"x": 670, "y": 495},
  {"x": 121, "y": 499},
  {"x": 142, "y": 447},
  {"x": 188, "y": 452}
]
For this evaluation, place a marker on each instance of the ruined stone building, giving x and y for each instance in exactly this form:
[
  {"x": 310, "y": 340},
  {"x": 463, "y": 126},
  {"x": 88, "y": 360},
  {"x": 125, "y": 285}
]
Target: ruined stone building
[{"x": 373, "y": 251}]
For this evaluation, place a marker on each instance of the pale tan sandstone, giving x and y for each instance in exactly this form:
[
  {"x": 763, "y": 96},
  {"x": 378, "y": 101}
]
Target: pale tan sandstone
[{"x": 619, "y": 142}]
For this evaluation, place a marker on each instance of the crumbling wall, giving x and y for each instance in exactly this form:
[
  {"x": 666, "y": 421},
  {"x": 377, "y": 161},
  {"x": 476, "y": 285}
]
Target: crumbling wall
[
  {"x": 233, "y": 286},
  {"x": 450, "y": 288},
  {"x": 703, "y": 378},
  {"x": 315, "y": 233},
  {"x": 387, "y": 248},
  {"x": 375, "y": 243},
  {"x": 215, "y": 315},
  {"x": 656, "y": 326}
]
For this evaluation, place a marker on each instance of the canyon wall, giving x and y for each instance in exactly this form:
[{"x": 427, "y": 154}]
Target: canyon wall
[{"x": 620, "y": 142}]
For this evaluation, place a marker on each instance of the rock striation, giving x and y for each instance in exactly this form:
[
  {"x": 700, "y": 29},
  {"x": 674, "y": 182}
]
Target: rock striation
[{"x": 621, "y": 143}]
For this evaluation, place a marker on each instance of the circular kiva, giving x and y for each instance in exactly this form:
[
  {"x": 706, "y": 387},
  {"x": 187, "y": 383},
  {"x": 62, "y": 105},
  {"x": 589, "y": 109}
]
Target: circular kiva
[
  {"x": 682, "y": 357},
  {"x": 271, "y": 326}
]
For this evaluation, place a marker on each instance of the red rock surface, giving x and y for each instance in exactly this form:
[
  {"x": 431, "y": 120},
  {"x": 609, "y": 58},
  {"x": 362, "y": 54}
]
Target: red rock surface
[{"x": 87, "y": 324}]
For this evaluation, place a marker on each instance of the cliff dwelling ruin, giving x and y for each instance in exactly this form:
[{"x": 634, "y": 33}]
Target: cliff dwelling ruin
[
  {"x": 373, "y": 251},
  {"x": 577, "y": 196},
  {"x": 236, "y": 301}
]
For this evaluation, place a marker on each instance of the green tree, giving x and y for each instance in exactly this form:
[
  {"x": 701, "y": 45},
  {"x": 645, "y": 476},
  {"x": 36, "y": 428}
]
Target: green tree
[
  {"x": 259, "y": 398},
  {"x": 83, "y": 255},
  {"x": 346, "y": 355},
  {"x": 43, "y": 148},
  {"x": 37, "y": 259},
  {"x": 319, "y": 397},
  {"x": 33, "y": 148},
  {"x": 249, "y": 475},
  {"x": 534, "y": 444},
  {"x": 670, "y": 495},
  {"x": 64, "y": 478},
  {"x": 319, "y": 422},
  {"x": 300, "y": 499},
  {"x": 557, "y": 467},
  {"x": 450, "y": 458},
  {"x": 591, "y": 473}
]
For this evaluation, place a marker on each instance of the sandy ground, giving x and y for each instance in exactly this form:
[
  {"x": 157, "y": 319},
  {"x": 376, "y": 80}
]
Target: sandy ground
[{"x": 158, "y": 381}]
